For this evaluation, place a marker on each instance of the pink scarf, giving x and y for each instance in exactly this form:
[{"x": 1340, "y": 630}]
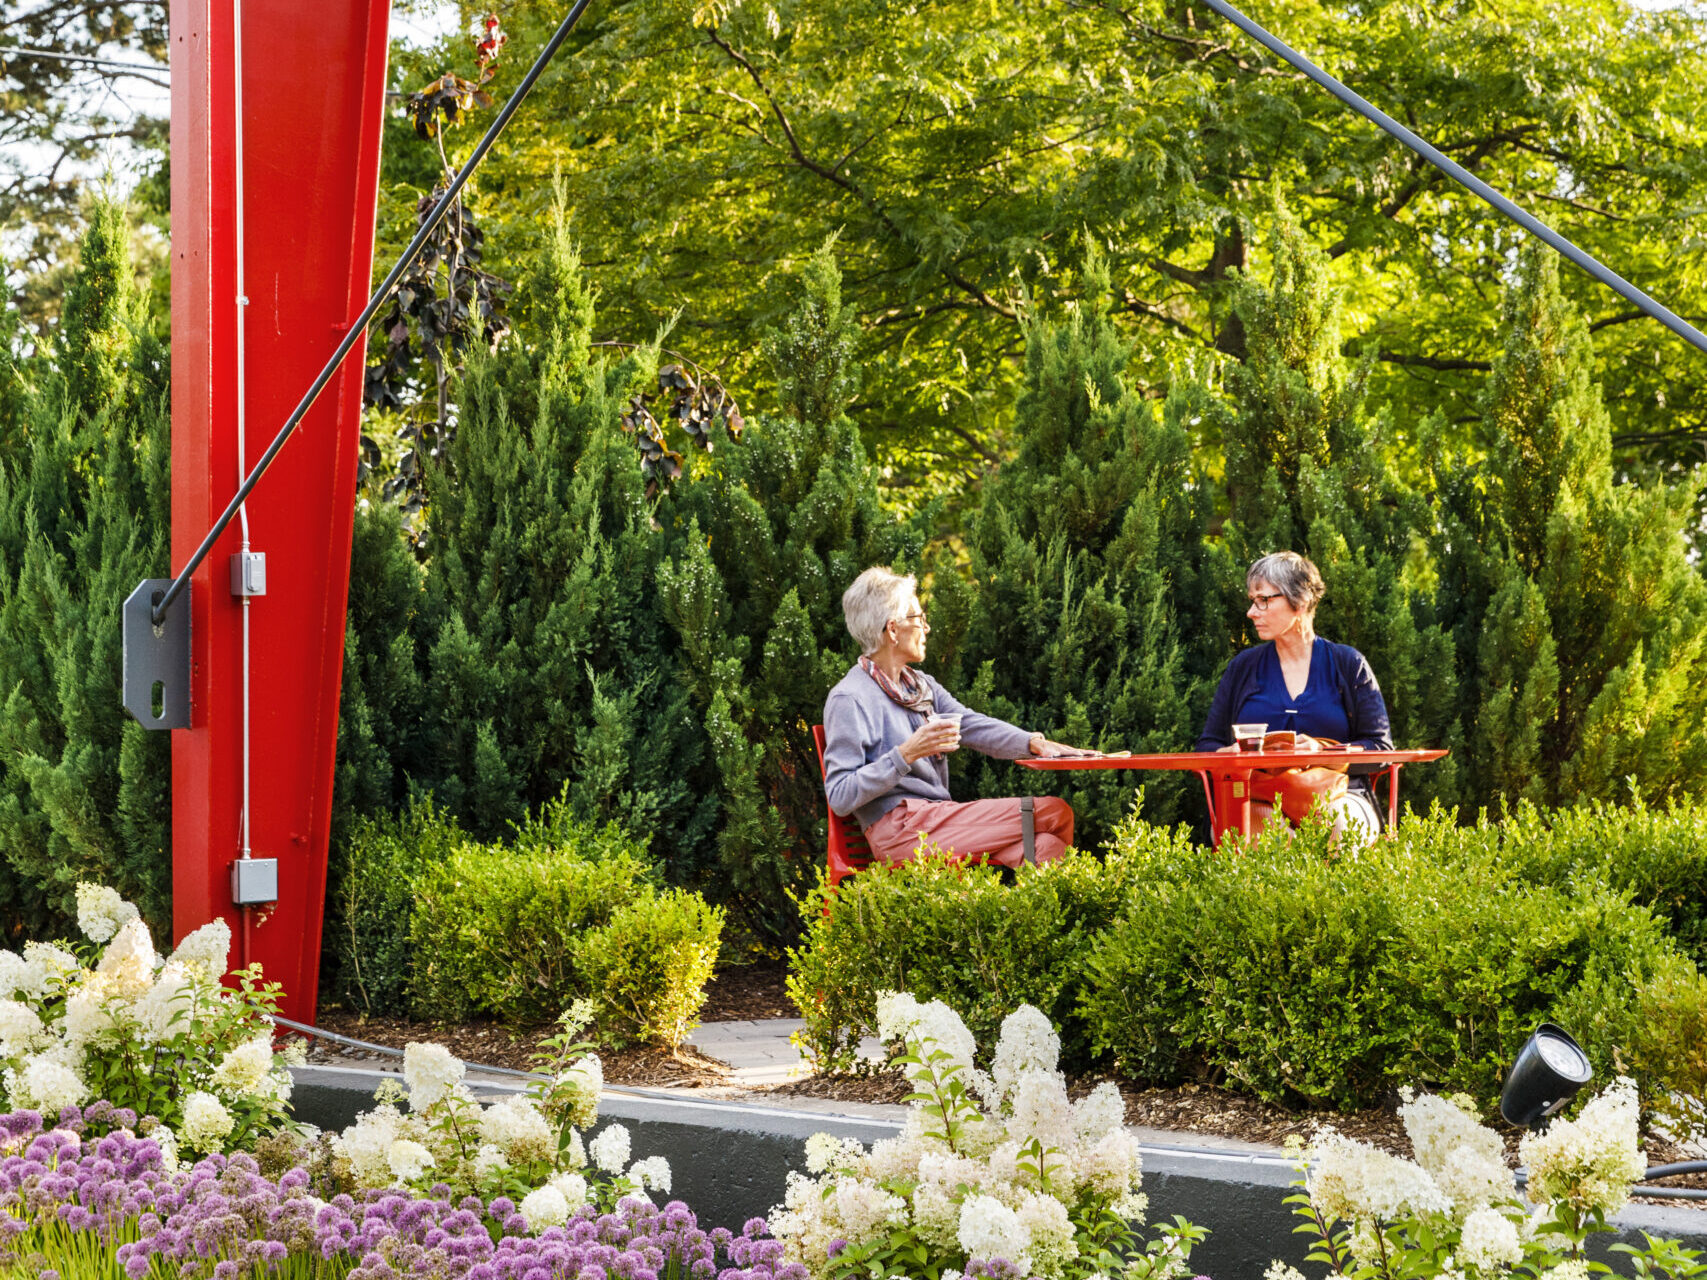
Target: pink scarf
[{"x": 913, "y": 693}]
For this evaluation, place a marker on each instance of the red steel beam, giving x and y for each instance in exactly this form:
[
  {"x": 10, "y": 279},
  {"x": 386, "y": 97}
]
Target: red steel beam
[{"x": 313, "y": 102}]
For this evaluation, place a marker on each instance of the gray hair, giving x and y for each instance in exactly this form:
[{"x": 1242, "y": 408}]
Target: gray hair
[
  {"x": 873, "y": 602},
  {"x": 1293, "y": 576}
]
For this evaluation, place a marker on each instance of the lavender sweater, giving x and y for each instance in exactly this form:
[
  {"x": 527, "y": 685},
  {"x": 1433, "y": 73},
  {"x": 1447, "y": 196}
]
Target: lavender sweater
[{"x": 864, "y": 771}]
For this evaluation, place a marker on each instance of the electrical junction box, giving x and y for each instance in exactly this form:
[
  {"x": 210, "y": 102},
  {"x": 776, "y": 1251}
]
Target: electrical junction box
[
  {"x": 254, "y": 881},
  {"x": 249, "y": 573}
]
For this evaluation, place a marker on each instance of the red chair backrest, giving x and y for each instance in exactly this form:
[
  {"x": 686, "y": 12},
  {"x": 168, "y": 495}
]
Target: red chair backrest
[{"x": 848, "y": 850}]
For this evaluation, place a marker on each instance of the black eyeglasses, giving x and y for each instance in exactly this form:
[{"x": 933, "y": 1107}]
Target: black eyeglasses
[
  {"x": 1261, "y": 603},
  {"x": 918, "y": 617}
]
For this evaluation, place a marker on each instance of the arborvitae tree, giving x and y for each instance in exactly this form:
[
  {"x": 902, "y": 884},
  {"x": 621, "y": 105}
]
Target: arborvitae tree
[
  {"x": 1307, "y": 472},
  {"x": 544, "y": 658},
  {"x": 85, "y": 501},
  {"x": 1582, "y": 674},
  {"x": 1082, "y": 613},
  {"x": 764, "y": 540}
]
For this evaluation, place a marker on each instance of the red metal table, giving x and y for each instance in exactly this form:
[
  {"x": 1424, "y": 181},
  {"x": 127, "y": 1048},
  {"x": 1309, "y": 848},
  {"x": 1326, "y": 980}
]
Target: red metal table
[{"x": 1227, "y": 774}]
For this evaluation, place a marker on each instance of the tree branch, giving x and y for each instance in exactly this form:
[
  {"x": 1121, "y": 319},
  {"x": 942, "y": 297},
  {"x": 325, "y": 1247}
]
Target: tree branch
[{"x": 1443, "y": 364}]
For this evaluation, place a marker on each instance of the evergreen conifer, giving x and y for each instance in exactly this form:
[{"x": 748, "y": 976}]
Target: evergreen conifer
[
  {"x": 85, "y": 502},
  {"x": 1582, "y": 675},
  {"x": 764, "y": 540}
]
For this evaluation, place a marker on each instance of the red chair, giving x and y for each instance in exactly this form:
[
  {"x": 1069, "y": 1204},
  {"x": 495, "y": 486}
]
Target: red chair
[{"x": 848, "y": 850}]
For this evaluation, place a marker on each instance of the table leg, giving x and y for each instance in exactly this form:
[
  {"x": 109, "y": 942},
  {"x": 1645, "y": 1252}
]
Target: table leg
[
  {"x": 1393, "y": 797},
  {"x": 1232, "y": 807}
]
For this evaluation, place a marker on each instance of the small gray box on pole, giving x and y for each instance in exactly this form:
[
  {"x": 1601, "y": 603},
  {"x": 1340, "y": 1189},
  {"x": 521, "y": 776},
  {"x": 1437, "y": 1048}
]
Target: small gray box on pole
[
  {"x": 254, "y": 881},
  {"x": 157, "y": 659}
]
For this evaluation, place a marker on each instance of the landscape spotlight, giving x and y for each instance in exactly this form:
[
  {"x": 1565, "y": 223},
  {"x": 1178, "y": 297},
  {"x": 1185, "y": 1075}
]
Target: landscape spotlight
[{"x": 1549, "y": 1070}]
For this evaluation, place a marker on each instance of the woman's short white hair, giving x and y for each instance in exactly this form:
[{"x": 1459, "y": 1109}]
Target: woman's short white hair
[{"x": 874, "y": 601}]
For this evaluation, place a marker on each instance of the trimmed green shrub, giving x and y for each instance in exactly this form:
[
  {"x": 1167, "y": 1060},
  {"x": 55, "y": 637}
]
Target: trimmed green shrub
[
  {"x": 956, "y": 934},
  {"x": 373, "y": 895},
  {"x": 648, "y": 967},
  {"x": 495, "y": 929},
  {"x": 1300, "y": 977}
]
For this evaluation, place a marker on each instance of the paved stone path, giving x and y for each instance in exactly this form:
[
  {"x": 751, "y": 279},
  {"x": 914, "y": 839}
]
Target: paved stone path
[{"x": 760, "y": 1052}]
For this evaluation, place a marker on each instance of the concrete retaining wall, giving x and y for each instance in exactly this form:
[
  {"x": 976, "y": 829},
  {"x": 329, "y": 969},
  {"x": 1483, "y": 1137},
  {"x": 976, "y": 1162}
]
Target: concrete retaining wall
[{"x": 730, "y": 1162}]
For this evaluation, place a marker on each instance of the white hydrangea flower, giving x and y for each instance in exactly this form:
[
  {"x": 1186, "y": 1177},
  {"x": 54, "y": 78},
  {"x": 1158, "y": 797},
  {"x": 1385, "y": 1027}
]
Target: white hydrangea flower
[
  {"x": 651, "y": 1174},
  {"x": 1111, "y": 1166},
  {"x": 824, "y": 1151},
  {"x": 47, "y": 1085},
  {"x": 929, "y": 1028},
  {"x": 21, "y": 1028},
  {"x": 544, "y": 1207},
  {"x": 207, "y": 950},
  {"x": 1490, "y": 1242},
  {"x": 431, "y": 1071},
  {"x": 129, "y": 960},
  {"x": 101, "y": 912},
  {"x": 1132, "y": 1206},
  {"x": 1569, "y": 1269},
  {"x": 1438, "y": 1126},
  {"x": 515, "y": 1126},
  {"x": 93, "y": 1012},
  {"x": 1052, "y": 1235},
  {"x": 245, "y": 1071},
  {"x": 576, "y": 1192},
  {"x": 890, "y": 1158},
  {"x": 1042, "y": 1113},
  {"x": 583, "y": 1080},
  {"x": 1473, "y": 1180},
  {"x": 609, "y": 1150},
  {"x": 367, "y": 1146},
  {"x": 489, "y": 1161},
  {"x": 168, "y": 1148},
  {"x": 14, "y": 973},
  {"x": 1099, "y": 1113},
  {"x": 1590, "y": 1162},
  {"x": 936, "y": 1216},
  {"x": 863, "y": 1210},
  {"x": 1278, "y": 1270},
  {"x": 206, "y": 1122},
  {"x": 1352, "y": 1181},
  {"x": 989, "y": 1229},
  {"x": 407, "y": 1160},
  {"x": 168, "y": 1006},
  {"x": 46, "y": 967},
  {"x": 1027, "y": 1043}
]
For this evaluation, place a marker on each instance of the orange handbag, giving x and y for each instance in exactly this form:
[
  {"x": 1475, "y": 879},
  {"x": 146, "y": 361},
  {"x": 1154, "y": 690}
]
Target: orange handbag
[{"x": 1298, "y": 790}]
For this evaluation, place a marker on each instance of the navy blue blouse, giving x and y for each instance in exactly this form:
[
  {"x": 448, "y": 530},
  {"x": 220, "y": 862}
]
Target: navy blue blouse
[{"x": 1340, "y": 700}]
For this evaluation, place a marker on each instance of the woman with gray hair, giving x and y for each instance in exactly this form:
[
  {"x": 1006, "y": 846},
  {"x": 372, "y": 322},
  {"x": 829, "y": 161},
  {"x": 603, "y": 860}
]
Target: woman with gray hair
[
  {"x": 888, "y": 732},
  {"x": 1297, "y": 680}
]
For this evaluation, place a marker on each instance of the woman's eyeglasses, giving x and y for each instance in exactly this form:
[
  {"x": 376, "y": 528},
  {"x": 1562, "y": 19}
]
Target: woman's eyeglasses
[
  {"x": 918, "y": 617},
  {"x": 1261, "y": 603}
]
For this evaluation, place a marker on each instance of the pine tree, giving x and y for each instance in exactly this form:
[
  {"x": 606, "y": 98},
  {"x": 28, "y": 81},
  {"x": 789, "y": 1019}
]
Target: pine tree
[
  {"x": 1082, "y": 614},
  {"x": 763, "y": 541},
  {"x": 1582, "y": 675},
  {"x": 85, "y": 505}
]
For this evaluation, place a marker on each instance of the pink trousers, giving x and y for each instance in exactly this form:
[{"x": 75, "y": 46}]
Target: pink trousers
[{"x": 978, "y": 830}]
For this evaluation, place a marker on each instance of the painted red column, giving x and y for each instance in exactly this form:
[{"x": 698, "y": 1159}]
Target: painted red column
[{"x": 313, "y": 98}]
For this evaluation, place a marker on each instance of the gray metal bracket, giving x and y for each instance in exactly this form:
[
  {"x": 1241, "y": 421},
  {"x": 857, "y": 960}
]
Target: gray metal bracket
[{"x": 157, "y": 659}]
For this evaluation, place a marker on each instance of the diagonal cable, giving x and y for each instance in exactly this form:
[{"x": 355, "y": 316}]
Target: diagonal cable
[{"x": 358, "y": 327}]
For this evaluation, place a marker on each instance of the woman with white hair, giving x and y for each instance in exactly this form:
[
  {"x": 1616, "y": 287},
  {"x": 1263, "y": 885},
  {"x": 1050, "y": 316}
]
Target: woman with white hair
[
  {"x": 888, "y": 732},
  {"x": 1295, "y": 680}
]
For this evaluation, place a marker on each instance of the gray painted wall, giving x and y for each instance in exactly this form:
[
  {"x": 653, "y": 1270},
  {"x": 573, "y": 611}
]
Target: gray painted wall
[{"x": 730, "y": 1162}]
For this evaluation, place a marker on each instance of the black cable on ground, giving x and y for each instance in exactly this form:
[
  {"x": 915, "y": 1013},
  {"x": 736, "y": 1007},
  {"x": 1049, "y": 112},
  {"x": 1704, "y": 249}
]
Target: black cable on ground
[{"x": 358, "y": 327}]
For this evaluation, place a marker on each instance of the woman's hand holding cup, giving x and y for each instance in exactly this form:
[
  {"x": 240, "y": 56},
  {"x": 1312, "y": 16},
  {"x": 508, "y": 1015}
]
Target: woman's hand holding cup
[{"x": 938, "y": 735}]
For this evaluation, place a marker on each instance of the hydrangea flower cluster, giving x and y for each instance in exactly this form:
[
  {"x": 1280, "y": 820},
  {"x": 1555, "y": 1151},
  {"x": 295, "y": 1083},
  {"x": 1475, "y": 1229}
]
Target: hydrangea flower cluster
[
  {"x": 159, "y": 1035},
  {"x": 528, "y": 1146},
  {"x": 74, "y": 1193},
  {"x": 995, "y": 1174},
  {"x": 1455, "y": 1211}
]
